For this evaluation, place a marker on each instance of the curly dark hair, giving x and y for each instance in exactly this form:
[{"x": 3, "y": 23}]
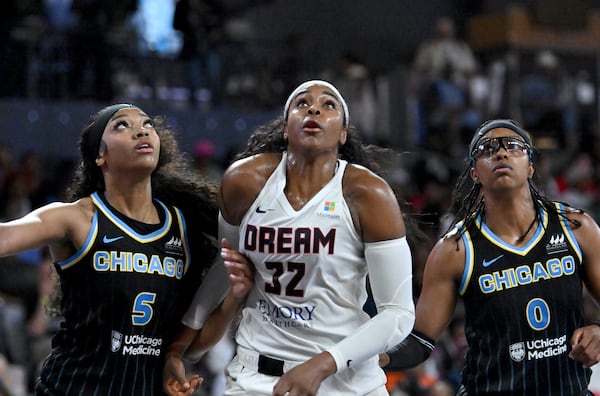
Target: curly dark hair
[
  {"x": 268, "y": 138},
  {"x": 174, "y": 182}
]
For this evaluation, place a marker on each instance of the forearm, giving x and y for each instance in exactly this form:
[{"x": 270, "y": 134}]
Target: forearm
[
  {"x": 390, "y": 273},
  {"x": 181, "y": 343},
  {"x": 214, "y": 328},
  {"x": 414, "y": 350}
]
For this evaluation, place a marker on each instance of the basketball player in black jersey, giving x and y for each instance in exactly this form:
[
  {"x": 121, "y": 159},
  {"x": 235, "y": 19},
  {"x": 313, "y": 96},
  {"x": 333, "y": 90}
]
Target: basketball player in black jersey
[
  {"x": 130, "y": 250},
  {"x": 518, "y": 260}
]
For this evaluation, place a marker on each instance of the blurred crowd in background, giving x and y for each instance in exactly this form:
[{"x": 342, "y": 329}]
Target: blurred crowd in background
[{"x": 108, "y": 50}]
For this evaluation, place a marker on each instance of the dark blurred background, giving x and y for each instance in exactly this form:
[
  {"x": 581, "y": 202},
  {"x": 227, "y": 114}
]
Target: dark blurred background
[{"x": 419, "y": 77}]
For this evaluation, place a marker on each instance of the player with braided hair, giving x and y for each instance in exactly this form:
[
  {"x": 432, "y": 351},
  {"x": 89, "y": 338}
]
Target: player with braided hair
[{"x": 518, "y": 260}]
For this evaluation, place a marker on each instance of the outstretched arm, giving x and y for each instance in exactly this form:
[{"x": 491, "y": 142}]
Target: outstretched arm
[{"x": 52, "y": 223}]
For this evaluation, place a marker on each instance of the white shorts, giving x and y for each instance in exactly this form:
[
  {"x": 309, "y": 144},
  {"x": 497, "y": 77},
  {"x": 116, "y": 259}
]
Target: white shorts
[{"x": 243, "y": 379}]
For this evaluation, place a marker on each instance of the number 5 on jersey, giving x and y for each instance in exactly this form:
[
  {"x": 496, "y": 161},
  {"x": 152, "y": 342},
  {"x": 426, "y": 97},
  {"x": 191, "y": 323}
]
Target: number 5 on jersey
[{"x": 142, "y": 312}]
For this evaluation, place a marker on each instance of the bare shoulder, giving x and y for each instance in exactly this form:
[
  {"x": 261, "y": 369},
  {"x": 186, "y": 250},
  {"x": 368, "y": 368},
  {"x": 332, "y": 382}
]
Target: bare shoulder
[
  {"x": 253, "y": 166},
  {"x": 447, "y": 257},
  {"x": 242, "y": 181},
  {"x": 584, "y": 227},
  {"x": 67, "y": 211},
  {"x": 77, "y": 215},
  {"x": 360, "y": 182},
  {"x": 85, "y": 206},
  {"x": 373, "y": 205},
  {"x": 579, "y": 216}
]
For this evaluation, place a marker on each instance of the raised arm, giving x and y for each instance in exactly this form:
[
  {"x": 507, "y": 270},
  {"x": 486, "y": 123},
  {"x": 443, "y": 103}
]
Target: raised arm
[{"x": 51, "y": 224}]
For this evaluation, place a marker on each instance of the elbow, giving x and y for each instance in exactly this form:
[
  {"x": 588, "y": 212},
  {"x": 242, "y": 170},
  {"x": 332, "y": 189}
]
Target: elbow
[{"x": 403, "y": 320}]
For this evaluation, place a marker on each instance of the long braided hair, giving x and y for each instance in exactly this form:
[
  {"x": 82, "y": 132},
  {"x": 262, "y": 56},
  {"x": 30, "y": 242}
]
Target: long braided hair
[{"x": 467, "y": 198}]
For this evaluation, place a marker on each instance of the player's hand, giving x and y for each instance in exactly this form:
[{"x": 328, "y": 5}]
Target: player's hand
[
  {"x": 305, "y": 379},
  {"x": 585, "y": 345},
  {"x": 239, "y": 269},
  {"x": 175, "y": 382}
]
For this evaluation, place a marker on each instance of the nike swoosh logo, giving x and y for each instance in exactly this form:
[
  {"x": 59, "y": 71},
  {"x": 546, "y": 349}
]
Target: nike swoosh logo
[
  {"x": 106, "y": 239},
  {"x": 487, "y": 263},
  {"x": 259, "y": 210}
]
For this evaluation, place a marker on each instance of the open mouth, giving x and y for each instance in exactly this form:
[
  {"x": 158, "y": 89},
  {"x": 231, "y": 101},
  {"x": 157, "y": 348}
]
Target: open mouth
[
  {"x": 312, "y": 125},
  {"x": 144, "y": 148}
]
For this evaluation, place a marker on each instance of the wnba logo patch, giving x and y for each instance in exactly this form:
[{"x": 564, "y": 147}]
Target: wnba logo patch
[
  {"x": 517, "y": 351},
  {"x": 174, "y": 246},
  {"x": 556, "y": 244},
  {"x": 115, "y": 341}
]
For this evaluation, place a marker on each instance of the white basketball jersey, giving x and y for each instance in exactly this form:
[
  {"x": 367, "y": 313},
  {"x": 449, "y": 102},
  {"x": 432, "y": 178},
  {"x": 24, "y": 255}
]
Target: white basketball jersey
[{"x": 310, "y": 275}]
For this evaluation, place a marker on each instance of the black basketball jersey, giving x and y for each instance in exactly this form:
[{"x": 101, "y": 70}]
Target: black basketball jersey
[
  {"x": 124, "y": 293},
  {"x": 522, "y": 305}
]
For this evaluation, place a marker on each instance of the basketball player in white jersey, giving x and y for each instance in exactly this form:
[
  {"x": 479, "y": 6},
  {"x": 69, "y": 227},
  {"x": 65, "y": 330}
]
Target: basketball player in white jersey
[{"x": 304, "y": 203}]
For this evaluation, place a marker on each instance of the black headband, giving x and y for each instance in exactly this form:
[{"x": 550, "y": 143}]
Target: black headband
[
  {"x": 96, "y": 129},
  {"x": 494, "y": 124}
]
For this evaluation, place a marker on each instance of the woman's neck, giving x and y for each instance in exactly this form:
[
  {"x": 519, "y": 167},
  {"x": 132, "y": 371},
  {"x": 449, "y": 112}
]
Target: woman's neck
[
  {"x": 511, "y": 220},
  {"x": 134, "y": 202}
]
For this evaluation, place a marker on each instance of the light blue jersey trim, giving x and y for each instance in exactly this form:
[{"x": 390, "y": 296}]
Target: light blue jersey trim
[
  {"x": 161, "y": 232},
  {"x": 183, "y": 232},
  {"x": 469, "y": 259},
  {"x": 86, "y": 246},
  {"x": 566, "y": 226},
  {"x": 522, "y": 251}
]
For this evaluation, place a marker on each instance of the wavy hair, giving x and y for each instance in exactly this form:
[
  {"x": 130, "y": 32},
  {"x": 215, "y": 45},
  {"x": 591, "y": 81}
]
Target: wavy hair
[
  {"x": 174, "y": 182},
  {"x": 268, "y": 138}
]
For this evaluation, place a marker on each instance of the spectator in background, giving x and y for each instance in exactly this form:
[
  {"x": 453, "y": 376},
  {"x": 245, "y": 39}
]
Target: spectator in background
[
  {"x": 7, "y": 161},
  {"x": 202, "y": 26},
  {"x": 547, "y": 103},
  {"x": 205, "y": 160},
  {"x": 355, "y": 83},
  {"x": 586, "y": 115},
  {"x": 20, "y": 25},
  {"x": 580, "y": 189},
  {"x": 445, "y": 56},
  {"x": 441, "y": 76},
  {"x": 89, "y": 46}
]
